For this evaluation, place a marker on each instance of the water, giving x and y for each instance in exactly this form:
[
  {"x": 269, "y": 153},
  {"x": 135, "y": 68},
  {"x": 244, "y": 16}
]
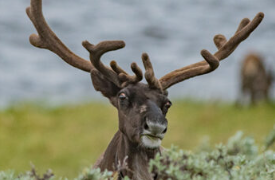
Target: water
[{"x": 172, "y": 33}]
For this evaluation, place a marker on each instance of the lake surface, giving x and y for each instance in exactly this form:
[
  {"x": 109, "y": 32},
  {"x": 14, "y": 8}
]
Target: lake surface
[{"x": 172, "y": 33}]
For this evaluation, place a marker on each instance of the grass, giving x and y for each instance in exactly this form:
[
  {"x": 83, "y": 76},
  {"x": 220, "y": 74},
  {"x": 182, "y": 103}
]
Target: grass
[{"x": 69, "y": 138}]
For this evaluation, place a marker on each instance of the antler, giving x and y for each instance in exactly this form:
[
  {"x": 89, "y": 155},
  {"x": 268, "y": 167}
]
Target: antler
[
  {"x": 126, "y": 78},
  {"x": 153, "y": 82},
  {"x": 211, "y": 62},
  {"x": 96, "y": 51},
  {"x": 47, "y": 39}
]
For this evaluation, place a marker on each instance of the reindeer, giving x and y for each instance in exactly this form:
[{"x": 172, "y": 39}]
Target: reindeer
[
  {"x": 255, "y": 79},
  {"x": 142, "y": 107}
]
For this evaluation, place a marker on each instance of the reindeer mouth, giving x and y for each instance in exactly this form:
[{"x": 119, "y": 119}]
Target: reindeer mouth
[
  {"x": 150, "y": 136},
  {"x": 151, "y": 141}
]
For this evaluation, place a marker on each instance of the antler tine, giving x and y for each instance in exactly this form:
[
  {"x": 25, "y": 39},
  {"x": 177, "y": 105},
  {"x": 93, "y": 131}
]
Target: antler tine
[
  {"x": 116, "y": 68},
  {"x": 225, "y": 48},
  {"x": 220, "y": 40},
  {"x": 240, "y": 36},
  {"x": 124, "y": 77},
  {"x": 138, "y": 72},
  {"x": 153, "y": 82},
  {"x": 96, "y": 51},
  {"x": 178, "y": 76},
  {"x": 243, "y": 23},
  {"x": 47, "y": 39}
]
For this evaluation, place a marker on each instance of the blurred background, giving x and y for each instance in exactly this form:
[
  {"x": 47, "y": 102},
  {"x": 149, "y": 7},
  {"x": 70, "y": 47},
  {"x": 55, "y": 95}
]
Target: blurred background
[
  {"x": 64, "y": 135},
  {"x": 172, "y": 32}
]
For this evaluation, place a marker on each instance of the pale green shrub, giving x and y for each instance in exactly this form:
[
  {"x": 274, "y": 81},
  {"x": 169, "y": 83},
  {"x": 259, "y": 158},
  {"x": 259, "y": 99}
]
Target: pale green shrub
[{"x": 239, "y": 159}]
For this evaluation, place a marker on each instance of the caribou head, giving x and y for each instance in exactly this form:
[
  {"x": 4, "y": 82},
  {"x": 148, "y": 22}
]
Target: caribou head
[{"x": 142, "y": 107}]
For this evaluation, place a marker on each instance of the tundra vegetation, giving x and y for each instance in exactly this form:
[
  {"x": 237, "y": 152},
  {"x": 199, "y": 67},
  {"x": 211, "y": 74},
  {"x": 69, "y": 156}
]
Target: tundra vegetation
[
  {"x": 51, "y": 138},
  {"x": 239, "y": 158}
]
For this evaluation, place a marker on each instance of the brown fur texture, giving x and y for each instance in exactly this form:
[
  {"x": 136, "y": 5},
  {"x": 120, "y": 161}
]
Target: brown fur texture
[
  {"x": 120, "y": 151},
  {"x": 255, "y": 79}
]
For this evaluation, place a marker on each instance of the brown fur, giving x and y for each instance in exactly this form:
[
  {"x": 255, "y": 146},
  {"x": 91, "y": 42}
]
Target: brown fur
[
  {"x": 137, "y": 161},
  {"x": 255, "y": 80}
]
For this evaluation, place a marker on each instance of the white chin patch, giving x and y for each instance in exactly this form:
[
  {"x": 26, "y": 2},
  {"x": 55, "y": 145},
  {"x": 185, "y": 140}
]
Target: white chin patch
[{"x": 150, "y": 142}]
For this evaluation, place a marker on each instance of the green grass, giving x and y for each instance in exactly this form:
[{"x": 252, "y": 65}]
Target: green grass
[{"x": 69, "y": 138}]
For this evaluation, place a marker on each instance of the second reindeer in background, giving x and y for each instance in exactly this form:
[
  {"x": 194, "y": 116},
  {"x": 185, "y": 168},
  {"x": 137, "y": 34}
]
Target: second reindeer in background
[{"x": 256, "y": 80}]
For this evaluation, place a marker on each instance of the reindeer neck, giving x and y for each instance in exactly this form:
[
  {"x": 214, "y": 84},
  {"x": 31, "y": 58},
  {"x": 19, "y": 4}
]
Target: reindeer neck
[{"x": 121, "y": 150}]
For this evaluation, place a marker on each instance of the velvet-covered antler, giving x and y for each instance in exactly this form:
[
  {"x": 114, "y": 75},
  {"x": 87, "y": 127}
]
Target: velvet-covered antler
[
  {"x": 211, "y": 62},
  {"x": 47, "y": 39}
]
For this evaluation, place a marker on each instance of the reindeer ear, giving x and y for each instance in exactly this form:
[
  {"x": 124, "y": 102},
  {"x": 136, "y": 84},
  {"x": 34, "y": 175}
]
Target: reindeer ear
[{"x": 106, "y": 87}]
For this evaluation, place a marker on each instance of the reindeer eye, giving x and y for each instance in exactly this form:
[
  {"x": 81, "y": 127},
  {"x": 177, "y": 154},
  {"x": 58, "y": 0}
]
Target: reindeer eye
[
  {"x": 122, "y": 96},
  {"x": 168, "y": 104},
  {"x": 123, "y": 100}
]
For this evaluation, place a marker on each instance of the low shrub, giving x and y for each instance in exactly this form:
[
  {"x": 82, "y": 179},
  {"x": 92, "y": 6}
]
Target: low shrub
[{"x": 239, "y": 159}]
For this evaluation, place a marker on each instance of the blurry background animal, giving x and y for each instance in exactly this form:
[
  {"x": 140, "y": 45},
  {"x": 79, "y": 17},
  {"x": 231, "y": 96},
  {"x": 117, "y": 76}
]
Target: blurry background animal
[{"x": 256, "y": 80}]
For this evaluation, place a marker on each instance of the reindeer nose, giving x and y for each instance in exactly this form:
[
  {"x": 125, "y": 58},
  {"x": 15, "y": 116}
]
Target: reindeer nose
[{"x": 155, "y": 127}]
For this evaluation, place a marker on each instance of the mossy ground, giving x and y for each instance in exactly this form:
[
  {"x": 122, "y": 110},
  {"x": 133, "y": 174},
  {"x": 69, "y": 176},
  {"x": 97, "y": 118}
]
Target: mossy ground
[{"x": 69, "y": 138}]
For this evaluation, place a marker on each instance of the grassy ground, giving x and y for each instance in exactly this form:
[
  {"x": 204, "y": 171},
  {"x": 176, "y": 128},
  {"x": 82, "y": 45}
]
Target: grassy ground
[{"x": 68, "y": 138}]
